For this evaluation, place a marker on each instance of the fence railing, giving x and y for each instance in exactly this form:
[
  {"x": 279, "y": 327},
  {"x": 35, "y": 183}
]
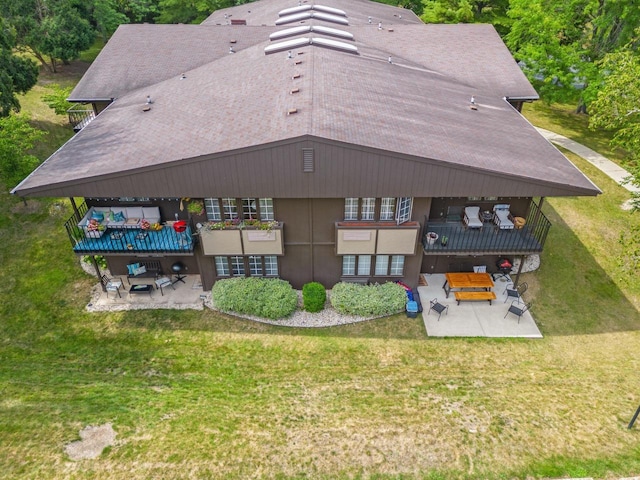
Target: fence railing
[{"x": 456, "y": 238}]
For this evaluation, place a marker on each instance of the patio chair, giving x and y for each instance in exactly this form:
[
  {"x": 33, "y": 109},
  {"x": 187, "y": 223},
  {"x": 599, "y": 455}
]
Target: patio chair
[
  {"x": 111, "y": 284},
  {"x": 437, "y": 307},
  {"x": 515, "y": 292},
  {"x": 164, "y": 282},
  {"x": 516, "y": 310}
]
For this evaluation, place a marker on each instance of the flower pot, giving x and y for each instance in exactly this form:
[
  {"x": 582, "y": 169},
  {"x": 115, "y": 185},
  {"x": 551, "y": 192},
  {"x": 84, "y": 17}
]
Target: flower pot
[{"x": 431, "y": 237}]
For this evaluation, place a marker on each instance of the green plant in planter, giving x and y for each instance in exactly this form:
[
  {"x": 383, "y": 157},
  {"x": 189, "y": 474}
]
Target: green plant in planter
[{"x": 196, "y": 207}]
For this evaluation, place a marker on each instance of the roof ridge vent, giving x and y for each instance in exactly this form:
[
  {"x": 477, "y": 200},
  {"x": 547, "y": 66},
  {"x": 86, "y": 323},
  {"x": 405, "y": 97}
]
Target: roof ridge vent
[
  {"x": 305, "y": 8},
  {"x": 327, "y": 17}
]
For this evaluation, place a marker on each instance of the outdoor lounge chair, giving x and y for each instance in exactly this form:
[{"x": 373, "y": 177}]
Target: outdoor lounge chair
[
  {"x": 472, "y": 217},
  {"x": 516, "y": 310},
  {"x": 502, "y": 217}
]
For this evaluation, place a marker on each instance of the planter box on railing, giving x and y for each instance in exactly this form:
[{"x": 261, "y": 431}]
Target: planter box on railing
[{"x": 242, "y": 241}]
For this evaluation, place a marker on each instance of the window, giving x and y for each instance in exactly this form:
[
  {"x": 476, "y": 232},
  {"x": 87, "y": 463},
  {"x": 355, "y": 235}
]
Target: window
[
  {"x": 351, "y": 209},
  {"x": 212, "y": 207},
  {"x": 237, "y": 265},
  {"x": 349, "y": 265},
  {"x": 382, "y": 265},
  {"x": 255, "y": 266},
  {"x": 387, "y": 208},
  {"x": 391, "y": 208},
  {"x": 364, "y": 265},
  {"x": 383, "y": 268},
  {"x": 266, "y": 209},
  {"x": 271, "y": 265},
  {"x": 222, "y": 266},
  {"x": 229, "y": 208},
  {"x": 368, "y": 208},
  {"x": 404, "y": 210},
  {"x": 397, "y": 265},
  {"x": 356, "y": 263},
  {"x": 249, "y": 209}
]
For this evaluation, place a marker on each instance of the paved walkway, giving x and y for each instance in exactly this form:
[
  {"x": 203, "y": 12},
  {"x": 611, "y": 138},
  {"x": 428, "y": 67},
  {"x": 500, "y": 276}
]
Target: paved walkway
[{"x": 614, "y": 171}]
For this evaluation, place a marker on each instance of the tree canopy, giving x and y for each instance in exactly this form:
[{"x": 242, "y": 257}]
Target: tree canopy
[
  {"x": 49, "y": 28},
  {"x": 560, "y": 42},
  {"x": 17, "y": 74}
]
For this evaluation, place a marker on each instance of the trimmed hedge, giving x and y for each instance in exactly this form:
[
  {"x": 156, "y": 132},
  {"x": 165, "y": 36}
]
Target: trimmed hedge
[
  {"x": 314, "y": 296},
  {"x": 262, "y": 297},
  {"x": 368, "y": 300}
]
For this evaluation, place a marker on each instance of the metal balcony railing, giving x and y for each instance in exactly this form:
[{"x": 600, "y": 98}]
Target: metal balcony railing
[
  {"x": 80, "y": 116},
  {"x": 128, "y": 240},
  {"x": 488, "y": 240}
]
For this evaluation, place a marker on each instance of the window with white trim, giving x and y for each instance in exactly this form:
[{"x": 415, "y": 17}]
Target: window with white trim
[
  {"x": 364, "y": 265},
  {"x": 270, "y": 265},
  {"x": 237, "y": 265},
  {"x": 404, "y": 210},
  {"x": 212, "y": 207},
  {"x": 351, "y": 208},
  {"x": 397, "y": 265},
  {"x": 229, "y": 208},
  {"x": 382, "y": 265},
  {"x": 222, "y": 266},
  {"x": 367, "y": 208},
  {"x": 249, "y": 209},
  {"x": 349, "y": 265},
  {"x": 255, "y": 266},
  {"x": 266, "y": 209},
  {"x": 387, "y": 208}
]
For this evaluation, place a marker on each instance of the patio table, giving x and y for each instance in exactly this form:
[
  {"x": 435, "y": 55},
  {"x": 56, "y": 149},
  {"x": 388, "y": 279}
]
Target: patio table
[{"x": 467, "y": 280}]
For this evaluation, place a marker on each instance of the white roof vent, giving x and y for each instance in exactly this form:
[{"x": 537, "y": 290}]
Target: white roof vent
[
  {"x": 286, "y": 45},
  {"x": 296, "y": 17},
  {"x": 293, "y": 31},
  {"x": 305, "y": 8}
]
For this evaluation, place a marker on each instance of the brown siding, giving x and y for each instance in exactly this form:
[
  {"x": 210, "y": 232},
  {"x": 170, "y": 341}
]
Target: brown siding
[{"x": 341, "y": 170}]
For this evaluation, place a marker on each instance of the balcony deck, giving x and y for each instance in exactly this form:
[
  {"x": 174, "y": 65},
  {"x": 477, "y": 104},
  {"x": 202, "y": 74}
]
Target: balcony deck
[{"x": 115, "y": 241}]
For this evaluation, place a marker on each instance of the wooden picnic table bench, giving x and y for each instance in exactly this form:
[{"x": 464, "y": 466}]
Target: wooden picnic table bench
[{"x": 474, "y": 296}]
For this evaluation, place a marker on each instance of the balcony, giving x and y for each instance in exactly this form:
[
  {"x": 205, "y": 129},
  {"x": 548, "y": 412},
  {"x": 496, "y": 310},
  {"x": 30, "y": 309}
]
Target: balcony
[
  {"x": 488, "y": 240},
  {"x": 80, "y": 116},
  {"x": 115, "y": 241},
  {"x": 245, "y": 238},
  {"x": 376, "y": 238}
]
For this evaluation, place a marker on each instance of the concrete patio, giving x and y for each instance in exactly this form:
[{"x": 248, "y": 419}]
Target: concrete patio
[
  {"x": 473, "y": 319},
  {"x": 186, "y": 294}
]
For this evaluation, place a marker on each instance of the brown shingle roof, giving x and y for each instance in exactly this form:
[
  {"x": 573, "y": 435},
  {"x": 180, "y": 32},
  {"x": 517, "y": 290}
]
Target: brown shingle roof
[{"x": 417, "y": 106}]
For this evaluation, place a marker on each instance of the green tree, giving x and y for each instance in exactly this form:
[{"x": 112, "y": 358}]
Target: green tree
[
  {"x": 561, "y": 41},
  {"x": 617, "y": 106},
  {"x": 467, "y": 11},
  {"x": 57, "y": 99},
  {"x": 51, "y": 30},
  {"x": 107, "y": 17},
  {"x": 17, "y": 74},
  {"x": 17, "y": 137},
  {"x": 179, "y": 11}
]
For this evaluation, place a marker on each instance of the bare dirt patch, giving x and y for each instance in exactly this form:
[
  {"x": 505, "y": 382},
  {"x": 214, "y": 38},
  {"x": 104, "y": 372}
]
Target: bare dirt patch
[{"x": 93, "y": 441}]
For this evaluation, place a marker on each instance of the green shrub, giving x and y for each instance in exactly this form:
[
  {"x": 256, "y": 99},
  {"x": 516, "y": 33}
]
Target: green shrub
[
  {"x": 314, "y": 296},
  {"x": 262, "y": 297},
  {"x": 368, "y": 300}
]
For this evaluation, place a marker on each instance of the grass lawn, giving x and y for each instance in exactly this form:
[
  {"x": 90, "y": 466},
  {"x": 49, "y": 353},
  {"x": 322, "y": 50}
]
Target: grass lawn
[{"x": 203, "y": 395}]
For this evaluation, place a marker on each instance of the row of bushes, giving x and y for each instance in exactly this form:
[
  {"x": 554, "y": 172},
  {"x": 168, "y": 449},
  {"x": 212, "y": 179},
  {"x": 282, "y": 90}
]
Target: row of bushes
[{"x": 275, "y": 298}]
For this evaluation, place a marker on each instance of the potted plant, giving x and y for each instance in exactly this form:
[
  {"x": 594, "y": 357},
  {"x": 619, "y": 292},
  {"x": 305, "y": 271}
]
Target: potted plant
[
  {"x": 444, "y": 240},
  {"x": 431, "y": 237},
  {"x": 196, "y": 207}
]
